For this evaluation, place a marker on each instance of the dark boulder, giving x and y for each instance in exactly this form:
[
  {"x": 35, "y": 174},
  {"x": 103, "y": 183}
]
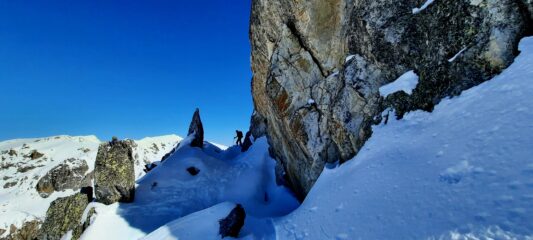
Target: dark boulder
[
  {"x": 63, "y": 215},
  {"x": 114, "y": 176},
  {"x": 34, "y": 154},
  {"x": 68, "y": 175},
  {"x": 193, "y": 171},
  {"x": 231, "y": 225},
  {"x": 197, "y": 129}
]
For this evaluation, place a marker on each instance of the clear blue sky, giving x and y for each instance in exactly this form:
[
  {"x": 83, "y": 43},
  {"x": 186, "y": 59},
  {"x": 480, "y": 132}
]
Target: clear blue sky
[{"x": 125, "y": 68}]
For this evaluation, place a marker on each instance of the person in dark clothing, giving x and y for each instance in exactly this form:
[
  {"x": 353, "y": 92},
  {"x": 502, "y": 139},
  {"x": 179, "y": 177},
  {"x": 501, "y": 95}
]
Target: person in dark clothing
[{"x": 238, "y": 137}]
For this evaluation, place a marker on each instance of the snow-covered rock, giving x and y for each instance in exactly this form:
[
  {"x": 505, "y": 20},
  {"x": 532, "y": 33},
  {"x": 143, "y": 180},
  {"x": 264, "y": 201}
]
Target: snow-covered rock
[{"x": 21, "y": 206}]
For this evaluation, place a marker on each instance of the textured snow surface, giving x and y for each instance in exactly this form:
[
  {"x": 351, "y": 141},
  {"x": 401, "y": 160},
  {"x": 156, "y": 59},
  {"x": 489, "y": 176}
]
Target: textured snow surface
[
  {"x": 464, "y": 171},
  {"x": 21, "y": 203},
  {"x": 407, "y": 82},
  {"x": 169, "y": 192}
]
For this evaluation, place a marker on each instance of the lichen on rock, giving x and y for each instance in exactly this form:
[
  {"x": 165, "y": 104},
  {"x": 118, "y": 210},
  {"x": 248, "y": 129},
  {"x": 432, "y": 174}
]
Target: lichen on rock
[{"x": 114, "y": 176}]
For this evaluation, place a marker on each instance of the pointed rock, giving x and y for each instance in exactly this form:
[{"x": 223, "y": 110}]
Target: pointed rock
[{"x": 196, "y": 128}]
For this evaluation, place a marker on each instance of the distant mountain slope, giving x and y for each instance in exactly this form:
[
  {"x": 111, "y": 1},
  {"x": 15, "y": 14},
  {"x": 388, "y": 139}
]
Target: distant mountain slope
[{"x": 23, "y": 162}]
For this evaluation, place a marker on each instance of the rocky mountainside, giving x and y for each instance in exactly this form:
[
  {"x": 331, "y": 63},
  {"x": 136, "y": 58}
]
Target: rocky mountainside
[
  {"x": 318, "y": 66},
  {"x": 35, "y": 172}
]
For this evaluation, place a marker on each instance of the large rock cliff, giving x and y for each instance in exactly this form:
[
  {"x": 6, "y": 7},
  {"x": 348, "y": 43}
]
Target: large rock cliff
[{"x": 318, "y": 66}]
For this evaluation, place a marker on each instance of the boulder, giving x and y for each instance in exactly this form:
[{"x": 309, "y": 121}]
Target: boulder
[
  {"x": 231, "y": 225},
  {"x": 29, "y": 230},
  {"x": 318, "y": 66},
  {"x": 114, "y": 176},
  {"x": 63, "y": 215},
  {"x": 197, "y": 129},
  {"x": 68, "y": 175}
]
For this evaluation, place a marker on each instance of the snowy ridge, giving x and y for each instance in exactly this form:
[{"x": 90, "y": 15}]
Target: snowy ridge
[{"x": 169, "y": 192}]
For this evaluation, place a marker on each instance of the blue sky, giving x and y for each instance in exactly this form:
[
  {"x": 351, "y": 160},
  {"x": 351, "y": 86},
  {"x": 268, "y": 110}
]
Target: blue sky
[{"x": 125, "y": 68}]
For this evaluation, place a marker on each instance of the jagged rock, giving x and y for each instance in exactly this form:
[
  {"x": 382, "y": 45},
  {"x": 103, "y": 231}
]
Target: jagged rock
[
  {"x": 29, "y": 230},
  {"x": 247, "y": 143},
  {"x": 197, "y": 129},
  {"x": 114, "y": 176},
  {"x": 231, "y": 225},
  {"x": 63, "y": 215},
  {"x": 68, "y": 175},
  {"x": 319, "y": 104}
]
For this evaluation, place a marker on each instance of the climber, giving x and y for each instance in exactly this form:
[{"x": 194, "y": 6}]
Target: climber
[{"x": 238, "y": 137}]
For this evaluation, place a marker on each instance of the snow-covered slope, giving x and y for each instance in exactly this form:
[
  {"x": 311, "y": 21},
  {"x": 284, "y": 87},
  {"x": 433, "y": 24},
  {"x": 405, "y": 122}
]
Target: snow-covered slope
[
  {"x": 464, "y": 171},
  {"x": 169, "y": 192},
  {"x": 19, "y": 173}
]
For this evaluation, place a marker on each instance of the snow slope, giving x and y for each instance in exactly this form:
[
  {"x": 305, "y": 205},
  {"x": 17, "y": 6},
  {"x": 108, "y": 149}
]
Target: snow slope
[
  {"x": 464, "y": 171},
  {"x": 169, "y": 192},
  {"x": 20, "y": 202}
]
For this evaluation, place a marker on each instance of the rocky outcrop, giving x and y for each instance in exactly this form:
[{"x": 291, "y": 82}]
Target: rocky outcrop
[
  {"x": 114, "y": 176},
  {"x": 318, "y": 66},
  {"x": 29, "y": 230},
  {"x": 231, "y": 225},
  {"x": 63, "y": 215},
  {"x": 68, "y": 175},
  {"x": 197, "y": 129}
]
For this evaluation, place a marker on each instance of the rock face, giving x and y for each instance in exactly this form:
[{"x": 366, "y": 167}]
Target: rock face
[
  {"x": 197, "y": 129},
  {"x": 318, "y": 66},
  {"x": 68, "y": 175},
  {"x": 232, "y": 224},
  {"x": 63, "y": 215},
  {"x": 114, "y": 176}
]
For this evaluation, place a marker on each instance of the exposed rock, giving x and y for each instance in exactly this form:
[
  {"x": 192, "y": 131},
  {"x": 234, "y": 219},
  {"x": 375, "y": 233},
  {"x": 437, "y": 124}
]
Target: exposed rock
[
  {"x": 258, "y": 125},
  {"x": 12, "y": 153},
  {"x": 29, "y": 230},
  {"x": 319, "y": 105},
  {"x": 232, "y": 224},
  {"x": 89, "y": 192},
  {"x": 193, "y": 171},
  {"x": 114, "y": 176},
  {"x": 197, "y": 129},
  {"x": 247, "y": 143},
  {"x": 68, "y": 175},
  {"x": 10, "y": 184},
  {"x": 34, "y": 154},
  {"x": 63, "y": 215}
]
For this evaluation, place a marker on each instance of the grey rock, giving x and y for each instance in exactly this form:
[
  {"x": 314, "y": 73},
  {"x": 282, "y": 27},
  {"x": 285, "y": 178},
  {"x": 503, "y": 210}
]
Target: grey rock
[
  {"x": 197, "y": 129},
  {"x": 319, "y": 108},
  {"x": 114, "y": 176},
  {"x": 63, "y": 215},
  {"x": 68, "y": 175},
  {"x": 258, "y": 125}
]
